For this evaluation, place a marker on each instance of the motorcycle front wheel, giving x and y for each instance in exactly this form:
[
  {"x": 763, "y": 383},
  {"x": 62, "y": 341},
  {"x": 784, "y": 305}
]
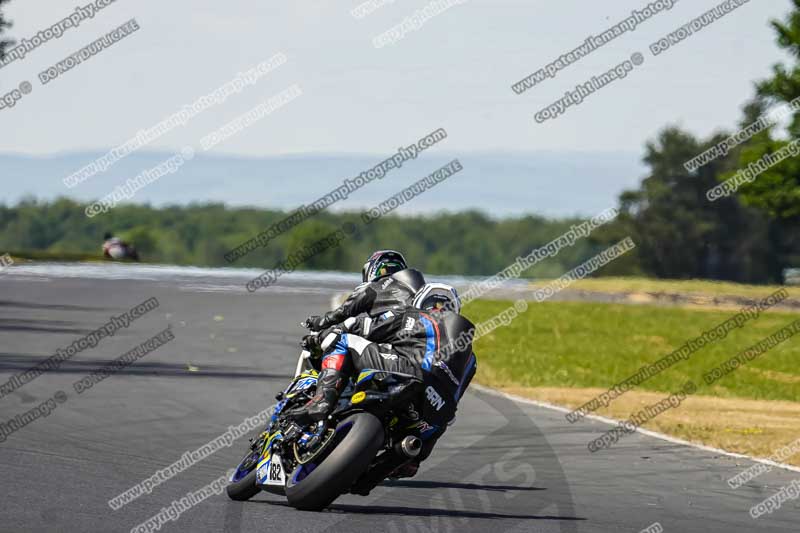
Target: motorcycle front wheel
[{"x": 243, "y": 485}]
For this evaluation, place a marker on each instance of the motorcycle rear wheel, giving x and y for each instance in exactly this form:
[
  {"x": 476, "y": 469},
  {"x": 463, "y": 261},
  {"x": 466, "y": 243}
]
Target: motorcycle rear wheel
[{"x": 312, "y": 487}]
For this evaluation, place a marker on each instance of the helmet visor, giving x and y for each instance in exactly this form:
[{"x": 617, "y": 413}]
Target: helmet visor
[
  {"x": 435, "y": 302},
  {"x": 387, "y": 268}
]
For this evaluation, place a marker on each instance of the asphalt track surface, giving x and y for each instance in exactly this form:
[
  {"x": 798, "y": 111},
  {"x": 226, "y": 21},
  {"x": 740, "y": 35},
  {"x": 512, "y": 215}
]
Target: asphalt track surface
[{"x": 503, "y": 466}]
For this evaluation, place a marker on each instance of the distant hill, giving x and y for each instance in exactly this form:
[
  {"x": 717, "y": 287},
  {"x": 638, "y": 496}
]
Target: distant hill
[{"x": 548, "y": 183}]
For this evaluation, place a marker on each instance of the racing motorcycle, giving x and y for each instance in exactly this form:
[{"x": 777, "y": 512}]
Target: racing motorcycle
[{"x": 378, "y": 418}]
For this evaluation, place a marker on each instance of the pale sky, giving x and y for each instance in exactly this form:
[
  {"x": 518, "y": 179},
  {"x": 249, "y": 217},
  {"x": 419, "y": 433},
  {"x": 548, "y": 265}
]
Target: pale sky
[{"x": 454, "y": 72}]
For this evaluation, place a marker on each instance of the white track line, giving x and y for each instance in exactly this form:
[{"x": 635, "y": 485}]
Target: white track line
[{"x": 647, "y": 432}]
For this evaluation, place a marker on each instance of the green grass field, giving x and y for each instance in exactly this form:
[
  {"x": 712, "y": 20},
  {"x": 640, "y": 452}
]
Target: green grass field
[{"x": 588, "y": 345}]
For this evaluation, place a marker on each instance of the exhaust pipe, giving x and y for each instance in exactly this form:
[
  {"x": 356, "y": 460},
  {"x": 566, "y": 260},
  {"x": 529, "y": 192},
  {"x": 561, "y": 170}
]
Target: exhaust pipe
[{"x": 410, "y": 446}]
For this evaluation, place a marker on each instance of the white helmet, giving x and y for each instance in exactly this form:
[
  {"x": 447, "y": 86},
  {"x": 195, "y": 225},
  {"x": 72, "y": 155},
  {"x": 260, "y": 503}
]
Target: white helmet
[{"x": 436, "y": 296}]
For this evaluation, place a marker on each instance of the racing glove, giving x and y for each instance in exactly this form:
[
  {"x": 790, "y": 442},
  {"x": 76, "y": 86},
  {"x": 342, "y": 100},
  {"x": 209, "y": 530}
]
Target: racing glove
[
  {"x": 315, "y": 323},
  {"x": 310, "y": 343}
]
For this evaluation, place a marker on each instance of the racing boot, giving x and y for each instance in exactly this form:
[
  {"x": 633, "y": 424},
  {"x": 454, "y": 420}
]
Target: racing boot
[{"x": 330, "y": 384}]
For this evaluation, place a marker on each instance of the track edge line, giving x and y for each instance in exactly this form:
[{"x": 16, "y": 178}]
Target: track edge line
[{"x": 648, "y": 432}]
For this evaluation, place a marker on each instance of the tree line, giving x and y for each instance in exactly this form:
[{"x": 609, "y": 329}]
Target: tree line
[{"x": 751, "y": 235}]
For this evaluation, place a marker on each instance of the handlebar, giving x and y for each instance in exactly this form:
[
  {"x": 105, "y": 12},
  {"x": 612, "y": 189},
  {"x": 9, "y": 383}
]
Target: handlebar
[{"x": 301, "y": 362}]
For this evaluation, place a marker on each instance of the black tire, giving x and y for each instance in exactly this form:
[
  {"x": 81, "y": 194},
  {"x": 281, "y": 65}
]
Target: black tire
[
  {"x": 244, "y": 489},
  {"x": 339, "y": 470}
]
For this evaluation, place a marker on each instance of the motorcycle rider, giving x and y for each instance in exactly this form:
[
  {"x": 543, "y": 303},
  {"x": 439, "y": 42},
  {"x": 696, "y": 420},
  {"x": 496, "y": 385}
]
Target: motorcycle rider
[
  {"x": 429, "y": 340},
  {"x": 116, "y": 248},
  {"x": 387, "y": 285}
]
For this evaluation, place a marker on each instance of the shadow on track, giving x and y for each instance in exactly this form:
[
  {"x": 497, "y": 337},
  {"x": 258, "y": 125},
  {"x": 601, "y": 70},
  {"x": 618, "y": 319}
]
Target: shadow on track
[
  {"x": 449, "y": 485},
  {"x": 423, "y": 512},
  {"x": 12, "y": 363},
  {"x": 63, "y": 307},
  {"x": 40, "y": 326}
]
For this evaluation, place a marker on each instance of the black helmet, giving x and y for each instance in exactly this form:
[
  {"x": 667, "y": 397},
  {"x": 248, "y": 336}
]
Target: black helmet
[{"x": 382, "y": 263}]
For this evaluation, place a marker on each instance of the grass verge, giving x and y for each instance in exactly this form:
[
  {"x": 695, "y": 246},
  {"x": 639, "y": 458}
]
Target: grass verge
[
  {"x": 627, "y": 285},
  {"x": 568, "y": 352}
]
